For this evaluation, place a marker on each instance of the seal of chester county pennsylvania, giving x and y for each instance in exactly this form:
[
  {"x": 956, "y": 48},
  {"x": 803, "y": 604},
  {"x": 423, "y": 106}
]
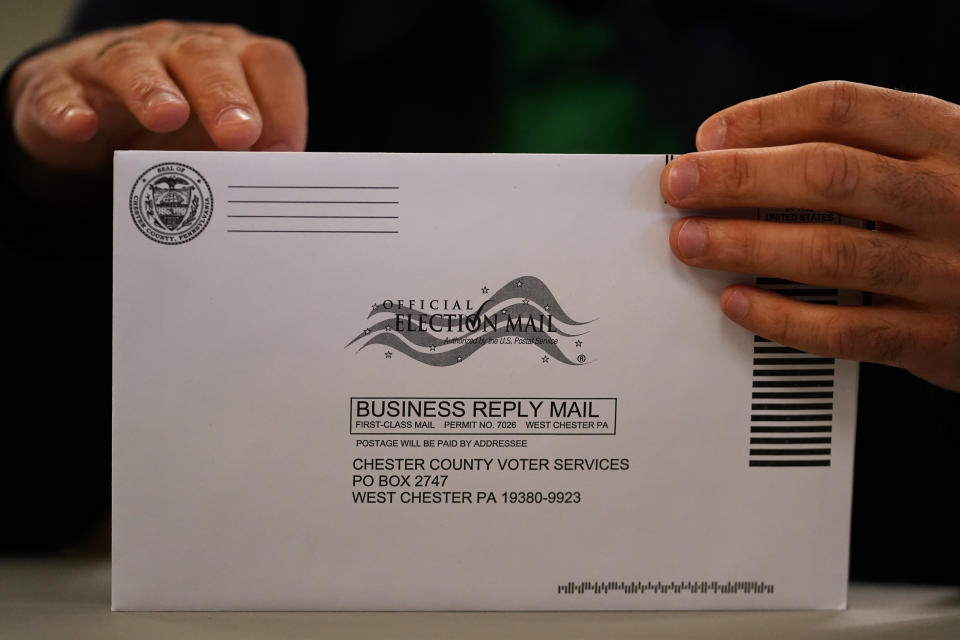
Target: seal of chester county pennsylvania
[{"x": 171, "y": 203}]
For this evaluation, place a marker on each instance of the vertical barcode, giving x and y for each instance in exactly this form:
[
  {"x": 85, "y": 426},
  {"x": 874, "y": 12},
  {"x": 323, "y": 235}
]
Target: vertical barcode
[{"x": 792, "y": 401}]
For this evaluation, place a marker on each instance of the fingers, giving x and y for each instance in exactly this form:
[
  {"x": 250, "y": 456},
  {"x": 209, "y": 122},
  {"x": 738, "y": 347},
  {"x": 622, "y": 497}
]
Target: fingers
[
  {"x": 163, "y": 85},
  {"x": 825, "y": 255},
  {"x": 278, "y": 83},
  {"x": 925, "y": 343},
  {"x": 859, "y": 150},
  {"x": 895, "y": 123},
  {"x": 820, "y": 176},
  {"x": 134, "y": 72},
  {"x": 56, "y": 108},
  {"x": 212, "y": 77},
  {"x": 164, "y": 77}
]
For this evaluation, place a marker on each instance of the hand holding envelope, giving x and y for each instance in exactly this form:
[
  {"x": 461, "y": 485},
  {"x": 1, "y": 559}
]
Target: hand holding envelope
[
  {"x": 868, "y": 152},
  {"x": 871, "y": 153},
  {"x": 75, "y": 104}
]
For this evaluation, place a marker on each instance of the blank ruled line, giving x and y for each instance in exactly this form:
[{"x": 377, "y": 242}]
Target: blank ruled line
[
  {"x": 776, "y": 350},
  {"x": 800, "y": 360},
  {"x": 791, "y": 417},
  {"x": 789, "y": 395},
  {"x": 775, "y": 281},
  {"x": 792, "y": 429},
  {"x": 790, "y": 440},
  {"x": 304, "y": 231},
  {"x": 793, "y": 372},
  {"x": 792, "y": 406},
  {"x": 314, "y": 201},
  {"x": 790, "y": 463},
  {"x": 282, "y": 217},
  {"x": 792, "y": 383},
  {"x": 298, "y": 186},
  {"x": 806, "y": 292},
  {"x": 789, "y": 452}
]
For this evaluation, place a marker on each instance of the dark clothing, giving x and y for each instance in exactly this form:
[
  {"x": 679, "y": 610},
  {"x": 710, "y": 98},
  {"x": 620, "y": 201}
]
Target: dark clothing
[{"x": 437, "y": 76}]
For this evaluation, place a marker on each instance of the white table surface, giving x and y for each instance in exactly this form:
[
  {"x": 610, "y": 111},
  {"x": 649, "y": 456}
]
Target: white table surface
[{"x": 70, "y": 598}]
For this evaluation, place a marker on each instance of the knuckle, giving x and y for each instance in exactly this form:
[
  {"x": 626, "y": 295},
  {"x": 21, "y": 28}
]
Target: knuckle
[
  {"x": 831, "y": 171},
  {"x": 47, "y": 93},
  {"x": 938, "y": 192},
  {"x": 24, "y": 72},
  {"x": 782, "y": 328},
  {"x": 756, "y": 114},
  {"x": 884, "y": 342},
  {"x": 944, "y": 337},
  {"x": 863, "y": 261},
  {"x": 122, "y": 53},
  {"x": 195, "y": 44},
  {"x": 835, "y": 102},
  {"x": 832, "y": 257},
  {"x": 742, "y": 248},
  {"x": 142, "y": 88},
  {"x": 935, "y": 350},
  {"x": 223, "y": 88},
  {"x": 952, "y": 268},
  {"x": 921, "y": 189},
  {"x": 935, "y": 107},
  {"x": 271, "y": 49},
  {"x": 878, "y": 342},
  {"x": 161, "y": 29},
  {"x": 230, "y": 30},
  {"x": 951, "y": 341},
  {"x": 938, "y": 115},
  {"x": 951, "y": 122},
  {"x": 223, "y": 93},
  {"x": 738, "y": 174},
  {"x": 891, "y": 268},
  {"x": 44, "y": 88},
  {"x": 842, "y": 338}
]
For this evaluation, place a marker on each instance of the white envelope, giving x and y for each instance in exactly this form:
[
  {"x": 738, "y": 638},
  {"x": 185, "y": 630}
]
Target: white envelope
[{"x": 430, "y": 381}]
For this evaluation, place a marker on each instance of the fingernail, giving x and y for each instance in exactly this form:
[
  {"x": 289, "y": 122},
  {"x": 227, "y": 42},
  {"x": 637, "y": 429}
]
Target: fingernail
[
  {"x": 162, "y": 97},
  {"x": 235, "y": 115},
  {"x": 78, "y": 124},
  {"x": 735, "y": 305},
  {"x": 691, "y": 239},
  {"x": 75, "y": 112},
  {"x": 683, "y": 178},
  {"x": 712, "y": 134}
]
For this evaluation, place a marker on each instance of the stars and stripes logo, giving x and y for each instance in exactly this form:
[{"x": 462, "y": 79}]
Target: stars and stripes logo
[{"x": 523, "y": 310}]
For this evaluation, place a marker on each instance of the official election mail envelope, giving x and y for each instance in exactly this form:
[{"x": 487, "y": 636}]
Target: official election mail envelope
[{"x": 378, "y": 381}]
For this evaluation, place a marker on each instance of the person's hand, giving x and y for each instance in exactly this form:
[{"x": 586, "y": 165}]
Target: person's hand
[
  {"x": 163, "y": 85},
  {"x": 863, "y": 151}
]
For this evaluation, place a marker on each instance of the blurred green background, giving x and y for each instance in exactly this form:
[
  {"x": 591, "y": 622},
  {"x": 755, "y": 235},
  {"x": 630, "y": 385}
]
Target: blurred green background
[{"x": 24, "y": 23}]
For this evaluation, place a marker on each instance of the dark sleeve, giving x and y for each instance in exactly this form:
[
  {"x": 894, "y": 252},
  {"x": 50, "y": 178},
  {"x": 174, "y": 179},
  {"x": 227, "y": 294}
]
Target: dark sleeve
[
  {"x": 261, "y": 17},
  {"x": 55, "y": 439},
  {"x": 55, "y": 254},
  {"x": 906, "y": 480}
]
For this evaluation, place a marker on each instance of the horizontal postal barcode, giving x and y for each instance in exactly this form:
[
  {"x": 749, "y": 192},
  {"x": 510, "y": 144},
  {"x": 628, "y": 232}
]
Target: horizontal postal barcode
[{"x": 707, "y": 587}]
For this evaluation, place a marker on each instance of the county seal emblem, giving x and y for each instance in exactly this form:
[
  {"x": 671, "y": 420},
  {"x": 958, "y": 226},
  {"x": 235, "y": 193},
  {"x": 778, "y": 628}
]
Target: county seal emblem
[{"x": 171, "y": 203}]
